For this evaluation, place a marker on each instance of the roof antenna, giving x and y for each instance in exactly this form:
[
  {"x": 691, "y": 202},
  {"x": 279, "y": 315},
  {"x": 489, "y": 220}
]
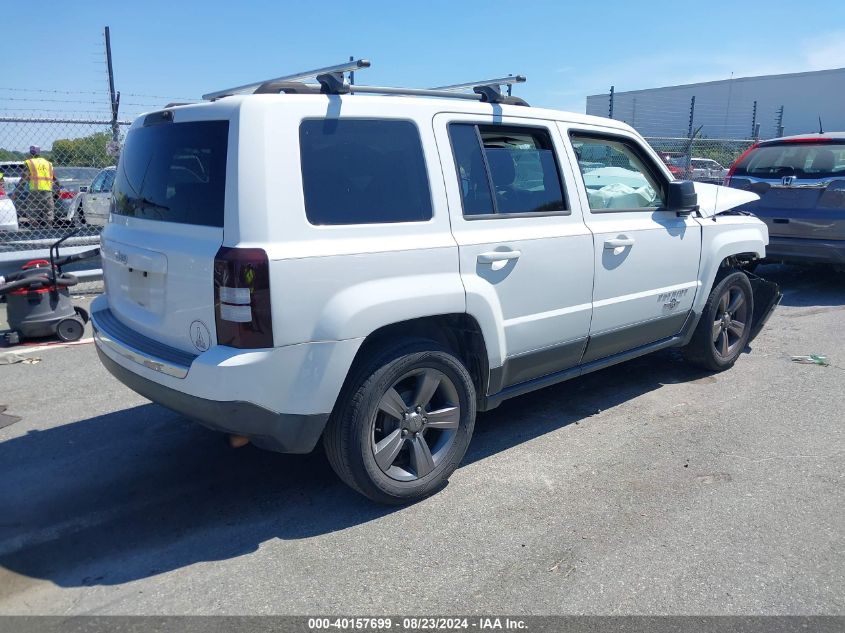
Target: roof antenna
[{"x": 820, "y": 126}]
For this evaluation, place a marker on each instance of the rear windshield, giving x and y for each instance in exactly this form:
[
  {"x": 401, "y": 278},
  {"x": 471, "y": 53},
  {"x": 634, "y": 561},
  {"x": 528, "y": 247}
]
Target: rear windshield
[
  {"x": 76, "y": 173},
  {"x": 804, "y": 160},
  {"x": 174, "y": 172}
]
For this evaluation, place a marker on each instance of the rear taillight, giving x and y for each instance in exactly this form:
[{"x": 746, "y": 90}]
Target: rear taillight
[
  {"x": 67, "y": 195},
  {"x": 242, "y": 298},
  {"x": 741, "y": 158}
]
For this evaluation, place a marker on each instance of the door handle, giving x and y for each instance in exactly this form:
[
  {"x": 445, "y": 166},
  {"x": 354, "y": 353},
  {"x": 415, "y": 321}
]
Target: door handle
[
  {"x": 498, "y": 259},
  {"x": 492, "y": 257},
  {"x": 619, "y": 242}
]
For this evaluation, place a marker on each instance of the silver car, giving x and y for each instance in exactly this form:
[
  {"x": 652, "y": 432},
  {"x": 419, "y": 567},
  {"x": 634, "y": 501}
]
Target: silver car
[
  {"x": 801, "y": 184},
  {"x": 707, "y": 170},
  {"x": 92, "y": 206}
]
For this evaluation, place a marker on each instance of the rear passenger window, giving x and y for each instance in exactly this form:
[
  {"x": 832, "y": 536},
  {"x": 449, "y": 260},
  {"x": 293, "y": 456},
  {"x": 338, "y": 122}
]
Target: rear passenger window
[
  {"x": 506, "y": 169},
  {"x": 357, "y": 171}
]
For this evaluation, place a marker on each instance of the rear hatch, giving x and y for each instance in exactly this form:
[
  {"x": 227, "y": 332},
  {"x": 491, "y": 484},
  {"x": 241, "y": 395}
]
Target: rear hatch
[
  {"x": 166, "y": 227},
  {"x": 801, "y": 185}
]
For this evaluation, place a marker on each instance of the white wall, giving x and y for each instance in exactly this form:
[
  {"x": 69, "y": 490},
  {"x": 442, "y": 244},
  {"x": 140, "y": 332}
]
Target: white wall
[{"x": 724, "y": 108}]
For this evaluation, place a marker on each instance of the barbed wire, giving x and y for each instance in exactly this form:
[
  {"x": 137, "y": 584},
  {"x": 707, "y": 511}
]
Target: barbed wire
[{"x": 90, "y": 92}]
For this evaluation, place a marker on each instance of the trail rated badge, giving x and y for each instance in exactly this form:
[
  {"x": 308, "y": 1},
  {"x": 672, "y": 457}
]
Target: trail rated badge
[{"x": 200, "y": 336}]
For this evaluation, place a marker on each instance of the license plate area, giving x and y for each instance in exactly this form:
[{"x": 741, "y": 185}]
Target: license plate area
[
  {"x": 139, "y": 274},
  {"x": 784, "y": 198},
  {"x": 142, "y": 291}
]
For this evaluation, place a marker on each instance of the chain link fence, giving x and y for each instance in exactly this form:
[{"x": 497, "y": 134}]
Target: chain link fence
[
  {"x": 701, "y": 159},
  {"x": 83, "y": 153}
]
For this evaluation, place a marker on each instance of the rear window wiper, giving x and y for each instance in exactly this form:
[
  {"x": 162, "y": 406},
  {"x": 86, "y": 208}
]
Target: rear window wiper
[{"x": 145, "y": 202}]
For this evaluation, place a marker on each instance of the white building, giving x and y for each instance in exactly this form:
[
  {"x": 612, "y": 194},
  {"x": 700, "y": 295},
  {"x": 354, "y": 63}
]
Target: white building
[{"x": 725, "y": 109}]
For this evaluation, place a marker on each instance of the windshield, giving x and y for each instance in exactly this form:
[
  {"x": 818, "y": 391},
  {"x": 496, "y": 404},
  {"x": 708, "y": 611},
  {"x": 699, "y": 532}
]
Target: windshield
[
  {"x": 76, "y": 173},
  {"x": 174, "y": 172},
  {"x": 804, "y": 160}
]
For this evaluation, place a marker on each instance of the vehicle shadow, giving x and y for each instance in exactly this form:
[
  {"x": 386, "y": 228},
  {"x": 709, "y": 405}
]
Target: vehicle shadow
[
  {"x": 142, "y": 491},
  {"x": 806, "y": 286}
]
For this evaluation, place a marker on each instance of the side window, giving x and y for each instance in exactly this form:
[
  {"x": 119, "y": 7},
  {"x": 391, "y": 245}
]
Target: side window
[
  {"x": 506, "y": 169},
  {"x": 97, "y": 184},
  {"x": 469, "y": 160},
  {"x": 359, "y": 171},
  {"x": 108, "y": 180},
  {"x": 615, "y": 174}
]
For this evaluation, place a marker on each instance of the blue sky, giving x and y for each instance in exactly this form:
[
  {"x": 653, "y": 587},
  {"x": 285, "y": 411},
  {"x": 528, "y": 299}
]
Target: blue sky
[{"x": 179, "y": 49}]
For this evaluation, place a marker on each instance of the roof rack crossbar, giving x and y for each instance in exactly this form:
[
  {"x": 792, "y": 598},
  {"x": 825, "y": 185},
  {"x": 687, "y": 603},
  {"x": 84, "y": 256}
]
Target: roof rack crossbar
[
  {"x": 336, "y": 70},
  {"x": 501, "y": 81}
]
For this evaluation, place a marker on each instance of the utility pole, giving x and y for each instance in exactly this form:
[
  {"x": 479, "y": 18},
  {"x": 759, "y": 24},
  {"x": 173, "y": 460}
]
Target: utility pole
[
  {"x": 610, "y": 113},
  {"x": 114, "y": 97},
  {"x": 779, "y": 122}
]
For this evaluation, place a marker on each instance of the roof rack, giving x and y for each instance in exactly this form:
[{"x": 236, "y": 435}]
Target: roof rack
[
  {"x": 335, "y": 71},
  {"x": 490, "y": 89},
  {"x": 502, "y": 81},
  {"x": 330, "y": 80}
]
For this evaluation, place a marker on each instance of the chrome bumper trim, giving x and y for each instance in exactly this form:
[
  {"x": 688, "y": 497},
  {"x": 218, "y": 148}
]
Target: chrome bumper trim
[{"x": 103, "y": 340}]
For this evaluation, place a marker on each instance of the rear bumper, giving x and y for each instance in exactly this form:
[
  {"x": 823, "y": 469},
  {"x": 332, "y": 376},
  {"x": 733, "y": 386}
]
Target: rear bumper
[
  {"x": 280, "y": 398},
  {"x": 805, "y": 251},
  {"x": 282, "y": 432}
]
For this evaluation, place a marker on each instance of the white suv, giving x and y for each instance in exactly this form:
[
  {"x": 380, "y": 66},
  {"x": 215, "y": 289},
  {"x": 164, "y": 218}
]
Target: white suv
[{"x": 374, "y": 270}]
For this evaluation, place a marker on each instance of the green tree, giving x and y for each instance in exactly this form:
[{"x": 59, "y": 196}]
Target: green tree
[
  {"x": 7, "y": 154},
  {"x": 87, "y": 151}
]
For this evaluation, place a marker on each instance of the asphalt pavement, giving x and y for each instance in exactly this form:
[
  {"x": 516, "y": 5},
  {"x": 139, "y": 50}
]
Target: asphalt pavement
[{"x": 647, "y": 488}]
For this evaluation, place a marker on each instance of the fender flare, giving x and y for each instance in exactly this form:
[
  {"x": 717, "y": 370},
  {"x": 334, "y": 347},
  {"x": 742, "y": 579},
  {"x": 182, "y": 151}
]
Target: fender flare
[{"x": 719, "y": 245}]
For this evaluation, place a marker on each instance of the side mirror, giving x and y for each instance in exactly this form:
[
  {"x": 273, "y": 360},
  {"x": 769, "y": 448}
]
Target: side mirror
[
  {"x": 681, "y": 197},
  {"x": 83, "y": 189}
]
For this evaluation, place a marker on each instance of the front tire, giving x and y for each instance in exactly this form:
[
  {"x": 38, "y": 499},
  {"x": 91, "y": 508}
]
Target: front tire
[
  {"x": 725, "y": 325},
  {"x": 403, "y": 423}
]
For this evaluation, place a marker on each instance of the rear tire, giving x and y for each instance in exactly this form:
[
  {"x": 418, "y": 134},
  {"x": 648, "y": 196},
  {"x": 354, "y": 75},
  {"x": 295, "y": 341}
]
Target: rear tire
[
  {"x": 403, "y": 423},
  {"x": 724, "y": 328}
]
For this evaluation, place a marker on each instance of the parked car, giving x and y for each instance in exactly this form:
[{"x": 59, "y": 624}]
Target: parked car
[
  {"x": 374, "y": 270},
  {"x": 698, "y": 169},
  {"x": 12, "y": 171},
  {"x": 669, "y": 159},
  {"x": 801, "y": 184},
  {"x": 707, "y": 170},
  {"x": 92, "y": 205},
  {"x": 75, "y": 179},
  {"x": 71, "y": 180},
  {"x": 8, "y": 212}
]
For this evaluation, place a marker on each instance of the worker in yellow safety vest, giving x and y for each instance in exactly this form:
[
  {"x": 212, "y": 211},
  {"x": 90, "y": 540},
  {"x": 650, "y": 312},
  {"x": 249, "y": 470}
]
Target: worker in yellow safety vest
[{"x": 34, "y": 193}]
